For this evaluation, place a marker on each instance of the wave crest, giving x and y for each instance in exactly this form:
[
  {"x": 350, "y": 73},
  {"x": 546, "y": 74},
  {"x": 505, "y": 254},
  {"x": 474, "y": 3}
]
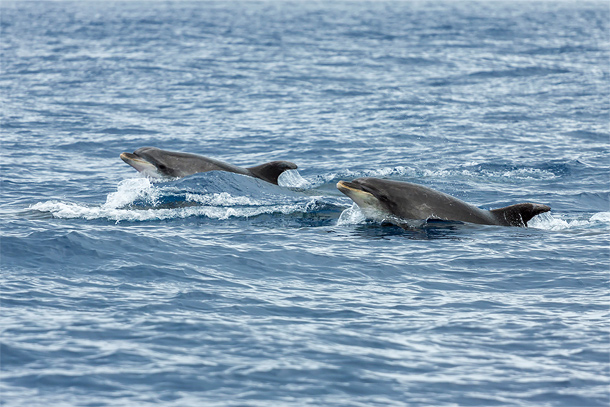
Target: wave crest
[
  {"x": 550, "y": 221},
  {"x": 139, "y": 199}
]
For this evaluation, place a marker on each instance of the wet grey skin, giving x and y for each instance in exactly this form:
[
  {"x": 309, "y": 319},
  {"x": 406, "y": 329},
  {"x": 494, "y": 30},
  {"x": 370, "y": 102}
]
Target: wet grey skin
[
  {"x": 381, "y": 199},
  {"x": 154, "y": 162}
]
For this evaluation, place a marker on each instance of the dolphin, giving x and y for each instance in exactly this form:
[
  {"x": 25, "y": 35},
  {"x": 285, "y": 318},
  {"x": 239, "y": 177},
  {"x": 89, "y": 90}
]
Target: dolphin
[
  {"x": 155, "y": 162},
  {"x": 382, "y": 199}
]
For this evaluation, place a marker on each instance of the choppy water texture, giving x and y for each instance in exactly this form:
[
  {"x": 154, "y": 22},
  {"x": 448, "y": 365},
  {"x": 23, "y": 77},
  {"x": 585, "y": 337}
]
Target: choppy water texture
[{"x": 223, "y": 290}]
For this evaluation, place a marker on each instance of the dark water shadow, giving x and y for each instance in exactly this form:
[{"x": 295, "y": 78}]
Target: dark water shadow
[{"x": 428, "y": 230}]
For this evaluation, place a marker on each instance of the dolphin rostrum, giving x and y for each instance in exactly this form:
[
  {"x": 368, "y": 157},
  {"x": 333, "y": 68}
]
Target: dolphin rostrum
[
  {"x": 155, "y": 162},
  {"x": 381, "y": 199}
]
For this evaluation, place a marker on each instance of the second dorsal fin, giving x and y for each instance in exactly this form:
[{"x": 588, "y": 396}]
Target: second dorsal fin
[{"x": 272, "y": 170}]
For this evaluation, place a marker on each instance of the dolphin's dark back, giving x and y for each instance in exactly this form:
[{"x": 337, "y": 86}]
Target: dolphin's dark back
[
  {"x": 178, "y": 164},
  {"x": 412, "y": 201}
]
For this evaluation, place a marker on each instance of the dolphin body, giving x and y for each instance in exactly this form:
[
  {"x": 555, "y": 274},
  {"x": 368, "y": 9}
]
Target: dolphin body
[
  {"x": 155, "y": 162},
  {"x": 381, "y": 199}
]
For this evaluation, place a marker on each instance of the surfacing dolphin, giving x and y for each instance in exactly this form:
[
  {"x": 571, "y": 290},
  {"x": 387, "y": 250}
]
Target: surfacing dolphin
[
  {"x": 155, "y": 162},
  {"x": 381, "y": 199}
]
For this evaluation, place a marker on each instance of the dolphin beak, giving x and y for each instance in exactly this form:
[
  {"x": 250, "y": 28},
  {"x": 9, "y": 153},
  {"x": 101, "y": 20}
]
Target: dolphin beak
[
  {"x": 138, "y": 163},
  {"x": 368, "y": 203},
  {"x": 127, "y": 157},
  {"x": 355, "y": 192},
  {"x": 347, "y": 187}
]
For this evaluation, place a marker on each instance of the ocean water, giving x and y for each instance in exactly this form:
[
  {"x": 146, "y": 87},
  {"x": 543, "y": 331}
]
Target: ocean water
[{"x": 223, "y": 290}]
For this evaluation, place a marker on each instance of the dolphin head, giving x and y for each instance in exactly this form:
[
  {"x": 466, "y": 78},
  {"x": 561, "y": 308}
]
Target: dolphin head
[
  {"x": 372, "y": 199},
  {"x": 154, "y": 162}
]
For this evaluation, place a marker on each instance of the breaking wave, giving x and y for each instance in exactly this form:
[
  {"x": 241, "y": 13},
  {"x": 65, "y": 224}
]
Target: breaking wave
[
  {"x": 550, "y": 221},
  {"x": 217, "y": 195}
]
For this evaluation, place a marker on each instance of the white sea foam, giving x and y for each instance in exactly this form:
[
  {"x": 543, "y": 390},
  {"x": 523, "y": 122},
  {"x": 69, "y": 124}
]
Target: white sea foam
[
  {"x": 223, "y": 199},
  {"x": 215, "y": 206},
  {"x": 529, "y": 173},
  {"x": 130, "y": 190},
  {"x": 401, "y": 172},
  {"x": 351, "y": 216},
  {"x": 603, "y": 217},
  {"x": 550, "y": 221},
  {"x": 378, "y": 173},
  {"x": 139, "y": 190},
  {"x": 293, "y": 179},
  {"x": 390, "y": 171},
  {"x": 68, "y": 210}
]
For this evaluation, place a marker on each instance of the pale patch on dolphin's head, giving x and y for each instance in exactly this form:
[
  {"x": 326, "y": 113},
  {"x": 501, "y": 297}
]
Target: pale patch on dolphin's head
[
  {"x": 149, "y": 162},
  {"x": 141, "y": 165},
  {"x": 373, "y": 204}
]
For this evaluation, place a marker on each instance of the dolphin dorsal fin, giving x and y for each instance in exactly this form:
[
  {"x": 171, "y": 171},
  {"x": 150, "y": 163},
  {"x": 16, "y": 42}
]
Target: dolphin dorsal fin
[
  {"x": 519, "y": 214},
  {"x": 271, "y": 171}
]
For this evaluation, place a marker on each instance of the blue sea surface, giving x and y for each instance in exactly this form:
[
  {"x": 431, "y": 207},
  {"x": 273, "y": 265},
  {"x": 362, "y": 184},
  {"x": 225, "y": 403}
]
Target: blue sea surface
[{"x": 219, "y": 289}]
